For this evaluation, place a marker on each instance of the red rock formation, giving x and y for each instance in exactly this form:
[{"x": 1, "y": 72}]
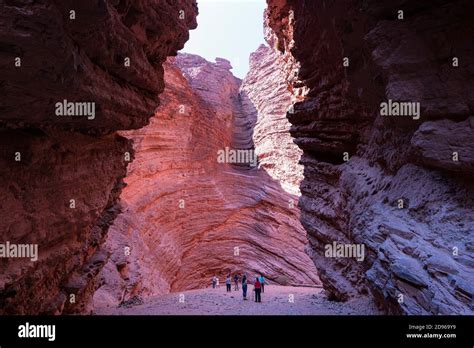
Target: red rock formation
[
  {"x": 47, "y": 57},
  {"x": 400, "y": 193},
  {"x": 83, "y": 59},
  {"x": 184, "y": 214}
]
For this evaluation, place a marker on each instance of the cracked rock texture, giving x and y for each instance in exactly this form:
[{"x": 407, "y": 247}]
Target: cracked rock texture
[
  {"x": 390, "y": 183},
  {"x": 62, "y": 176},
  {"x": 184, "y": 214}
]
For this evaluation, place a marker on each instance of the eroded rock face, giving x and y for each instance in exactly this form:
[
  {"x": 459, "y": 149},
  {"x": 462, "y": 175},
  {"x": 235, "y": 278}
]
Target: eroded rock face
[
  {"x": 61, "y": 176},
  {"x": 436, "y": 143},
  {"x": 187, "y": 217},
  {"x": 267, "y": 91},
  {"x": 84, "y": 59},
  {"x": 389, "y": 183}
]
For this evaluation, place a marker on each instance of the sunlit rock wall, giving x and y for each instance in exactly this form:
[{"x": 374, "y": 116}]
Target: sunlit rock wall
[{"x": 186, "y": 217}]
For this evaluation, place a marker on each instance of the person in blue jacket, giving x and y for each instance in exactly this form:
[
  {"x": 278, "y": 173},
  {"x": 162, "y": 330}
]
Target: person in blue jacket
[{"x": 262, "y": 282}]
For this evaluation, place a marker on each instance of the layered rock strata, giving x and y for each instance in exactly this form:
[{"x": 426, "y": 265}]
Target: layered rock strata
[
  {"x": 186, "y": 216},
  {"x": 62, "y": 173},
  {"x": 399, "y": 185},
  {"x": 266, "y": 88}
]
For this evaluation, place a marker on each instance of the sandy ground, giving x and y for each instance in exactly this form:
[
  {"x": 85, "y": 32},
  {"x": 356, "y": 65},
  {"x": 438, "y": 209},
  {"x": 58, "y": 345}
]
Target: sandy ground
[{"x": 275, "y": 301}]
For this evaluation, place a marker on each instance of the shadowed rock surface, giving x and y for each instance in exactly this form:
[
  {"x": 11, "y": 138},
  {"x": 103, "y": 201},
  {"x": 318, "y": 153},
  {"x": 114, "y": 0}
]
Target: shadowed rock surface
[
  {"x": 72, "y": 158},
  {"x": 400, "y": 193}
]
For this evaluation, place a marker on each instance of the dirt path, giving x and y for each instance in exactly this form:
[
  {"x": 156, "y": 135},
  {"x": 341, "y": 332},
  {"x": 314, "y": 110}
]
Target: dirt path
[{"x": 275, "y": 301}]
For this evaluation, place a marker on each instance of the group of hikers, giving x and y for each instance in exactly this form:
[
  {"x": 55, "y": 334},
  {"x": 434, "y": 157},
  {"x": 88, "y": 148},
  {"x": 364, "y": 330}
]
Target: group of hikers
[{"x": 258, "y": 285}]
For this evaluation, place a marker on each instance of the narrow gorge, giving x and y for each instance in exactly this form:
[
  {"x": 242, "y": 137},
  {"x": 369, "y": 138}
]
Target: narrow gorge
[
  {"x": 151, "y": 196},
  {"x": 186, "y": 216}
]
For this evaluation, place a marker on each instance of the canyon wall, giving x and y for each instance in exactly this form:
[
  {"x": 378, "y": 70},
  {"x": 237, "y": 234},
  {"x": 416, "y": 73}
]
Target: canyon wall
[
  {"x": 62, "y": 175},
  {"x": 400, "y": 186},
  {"x": 186, "y": 216},
  {"x": 266, "y": 88}
]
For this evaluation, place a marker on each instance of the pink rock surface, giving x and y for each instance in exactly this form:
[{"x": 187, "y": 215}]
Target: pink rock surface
[
  {"x": 184, "y": 214},
  {"x": 266, "y": 88}
]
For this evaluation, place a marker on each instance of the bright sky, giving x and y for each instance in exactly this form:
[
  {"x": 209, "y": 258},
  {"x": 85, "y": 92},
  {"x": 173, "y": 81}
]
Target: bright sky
[{"x": 230, "y": 29}]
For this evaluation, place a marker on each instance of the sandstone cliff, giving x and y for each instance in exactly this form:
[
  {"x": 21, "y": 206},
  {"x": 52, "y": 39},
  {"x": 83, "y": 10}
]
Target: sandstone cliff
[
  {"x": 393, "y": 184},
  {"x": 400, "y": 186},
  {"x": 266, "y": 88},
  {"x": 187, "y": 217},
  {"x": 61, "y": 176}
]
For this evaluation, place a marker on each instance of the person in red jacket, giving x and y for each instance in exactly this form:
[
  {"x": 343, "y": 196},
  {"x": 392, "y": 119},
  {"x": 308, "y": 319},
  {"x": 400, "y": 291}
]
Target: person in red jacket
[{"x": 258, "y": 289}]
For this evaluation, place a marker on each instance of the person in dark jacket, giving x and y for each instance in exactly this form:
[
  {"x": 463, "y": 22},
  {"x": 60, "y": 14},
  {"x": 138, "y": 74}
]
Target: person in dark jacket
[
  {"x": 236, "y": 282},
  {"x": 244, "y": 286}
]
